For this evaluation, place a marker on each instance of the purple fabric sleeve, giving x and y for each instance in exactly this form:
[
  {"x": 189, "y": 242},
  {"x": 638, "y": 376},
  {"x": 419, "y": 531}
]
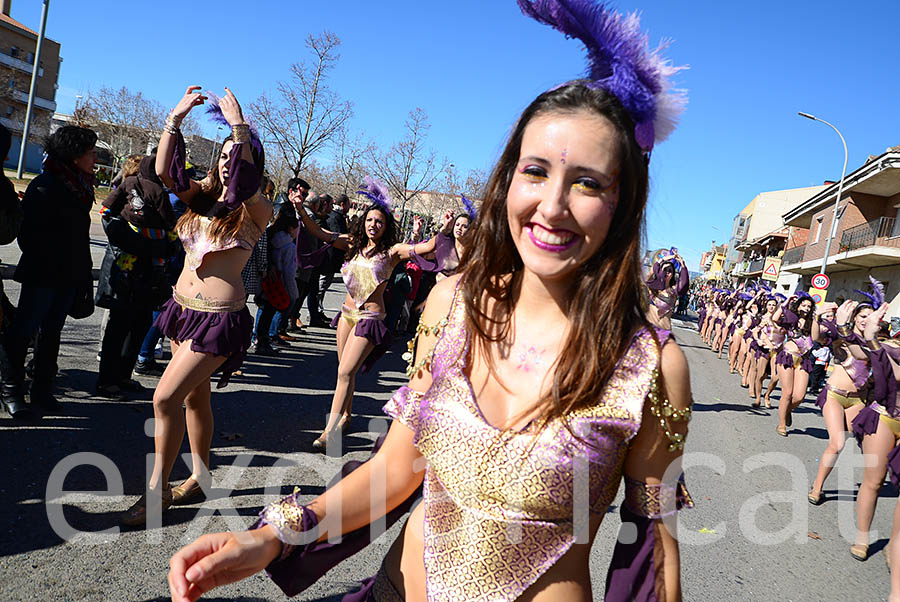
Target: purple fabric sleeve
[
  {"x": 632, "y": 572},
  {"x": 306, "y": 564},
  {"x": 884, "y": 390},
  {"x": 426, "y": 264},
  {"x": 444, "y": 248},
  {"x": 309, "y": 257},
  {"x": 788, "y": 318},
  {"x": 683, "y": 281},
  {"x": 243, "y": 178},
  {"x": 176, "y": 167}
]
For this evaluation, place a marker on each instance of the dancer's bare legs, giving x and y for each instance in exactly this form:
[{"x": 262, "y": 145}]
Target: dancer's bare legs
[
  {"x": 186, "y": 372},
  {"x": 837, "y": 422},
  {"x": 879, "y": 444},
  {"x": 352, "y": 352}
]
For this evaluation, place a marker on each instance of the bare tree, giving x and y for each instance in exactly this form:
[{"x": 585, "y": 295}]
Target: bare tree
[
  {"x": 476, "y": 184},
  {"x": 409, "y": 168},
  {"x": 351, "y": 156},
  {"x": 126, "y": 122},
  {"x": 303, "y": 114}
]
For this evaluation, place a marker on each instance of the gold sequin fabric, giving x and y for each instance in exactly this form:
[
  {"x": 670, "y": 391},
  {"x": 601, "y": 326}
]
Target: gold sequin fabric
[
  {"x": 501, "y": 507},
  {"x": 200, "y": 242},
  {"x": 363, "y": 275}
]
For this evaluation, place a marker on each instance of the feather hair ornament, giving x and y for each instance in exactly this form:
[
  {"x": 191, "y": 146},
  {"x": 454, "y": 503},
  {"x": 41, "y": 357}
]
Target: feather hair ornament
[
  {"x": 471, "y": 210},
  {"x": 876, "y": 297},
  {"x": 619, "y": 61},
  {"x": 376, "y": 191},
  {"x": 214, "y": 110}
]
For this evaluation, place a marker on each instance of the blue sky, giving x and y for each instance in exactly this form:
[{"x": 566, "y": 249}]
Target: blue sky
[{"x": 473, "y": 65}]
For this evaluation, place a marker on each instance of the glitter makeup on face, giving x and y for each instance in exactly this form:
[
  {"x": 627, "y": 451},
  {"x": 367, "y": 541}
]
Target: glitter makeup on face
[{"x": 565, "y": 154}]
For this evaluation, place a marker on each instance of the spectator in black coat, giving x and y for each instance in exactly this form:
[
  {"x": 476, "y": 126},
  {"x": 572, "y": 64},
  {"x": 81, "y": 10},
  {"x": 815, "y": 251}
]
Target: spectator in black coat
[
  {"x": 335, "y": 222},
  {"x": 55, "y": 261},
  {"x": 11, "y": 216}
]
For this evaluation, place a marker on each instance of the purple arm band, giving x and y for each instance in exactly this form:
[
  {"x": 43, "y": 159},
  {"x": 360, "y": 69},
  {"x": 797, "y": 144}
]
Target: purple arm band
[
  {"x": 243, "y": 179},
  {"x": 426, "y": 264},
  {"x": 885, "y": 386}
]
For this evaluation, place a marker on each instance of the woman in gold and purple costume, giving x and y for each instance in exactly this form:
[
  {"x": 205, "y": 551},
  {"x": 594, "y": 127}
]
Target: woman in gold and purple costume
[
  {"x": 362, "y": 336},
  {"x": 538, "y": 386}
]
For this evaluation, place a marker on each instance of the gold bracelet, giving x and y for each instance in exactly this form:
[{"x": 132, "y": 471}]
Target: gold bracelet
[
  {"x": 844, "y": 330},
  {"x": 172, "y": 125},
  {"x": 240, "y": 133}
]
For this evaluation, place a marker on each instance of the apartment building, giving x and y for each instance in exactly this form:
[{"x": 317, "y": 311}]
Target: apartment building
[
  {"x": 18, "y": 44},
  {"x": 867, "y": 237}
]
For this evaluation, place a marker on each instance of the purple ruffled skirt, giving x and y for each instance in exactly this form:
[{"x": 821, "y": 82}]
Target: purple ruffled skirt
[
  {"x": 376, "y": 332},
  {"x": 786, "y": 360},
  {"x": 866, "y": 423},
  {"x": 226, "y": 334}
]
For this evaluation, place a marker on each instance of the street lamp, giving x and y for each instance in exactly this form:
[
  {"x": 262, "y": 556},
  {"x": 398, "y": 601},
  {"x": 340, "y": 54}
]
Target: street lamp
[
  {"x": 212, "y": 156},
  {"x": 837, "y": 201}
]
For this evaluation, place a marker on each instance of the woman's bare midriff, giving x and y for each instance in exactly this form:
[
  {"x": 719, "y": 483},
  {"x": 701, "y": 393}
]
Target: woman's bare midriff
[
  {"x": 791, "y": 347},
  {"x": 840, "y": 379},
  {"x": 375, "y": 303},
  {"x": 218, "y": 277},
  {"x": 568, "y": 579}
]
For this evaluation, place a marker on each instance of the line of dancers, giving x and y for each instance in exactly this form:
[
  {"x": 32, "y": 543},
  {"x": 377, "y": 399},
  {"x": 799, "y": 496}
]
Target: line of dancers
[{"x": 767, "y": 334}]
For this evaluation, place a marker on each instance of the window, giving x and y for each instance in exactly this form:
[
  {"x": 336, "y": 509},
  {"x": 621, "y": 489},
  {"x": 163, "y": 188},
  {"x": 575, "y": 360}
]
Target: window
[
  {"x": 818, "y": 229},
  {"x": 14, "y": 51},
  {"x": 10, "y": 111},
  {"x": 12, "y": 83},
  {"x": 895, "y": 231},
  {"x": 30, "y": 58},
  {"x": 41, "y": 69}
]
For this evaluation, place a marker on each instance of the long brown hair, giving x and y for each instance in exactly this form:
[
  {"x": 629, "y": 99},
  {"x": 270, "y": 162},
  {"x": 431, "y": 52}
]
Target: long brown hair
[
  {"x": 224, "y": 225},
  {"x": 359, "y": 239},
  {"x": 605, "y": 301}
]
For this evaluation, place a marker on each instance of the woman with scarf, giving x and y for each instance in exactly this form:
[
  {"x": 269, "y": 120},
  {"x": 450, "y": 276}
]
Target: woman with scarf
[{"x": 55, "y": 265}]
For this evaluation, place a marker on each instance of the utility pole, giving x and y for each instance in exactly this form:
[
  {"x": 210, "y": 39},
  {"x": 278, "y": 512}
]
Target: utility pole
[{"x": 34, "y": 76}]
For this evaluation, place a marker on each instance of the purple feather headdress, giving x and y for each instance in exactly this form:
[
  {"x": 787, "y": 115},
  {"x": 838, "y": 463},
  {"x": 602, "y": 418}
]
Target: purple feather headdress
[
  {"x": 802, "y": 294},
  {"x": 619, "y": 61},
  {"x": 377, "y": 192},
  {"x": 471, "y": 210},
  {"x": 215, "y": 113},
  {"x": 876, "y": 298}
]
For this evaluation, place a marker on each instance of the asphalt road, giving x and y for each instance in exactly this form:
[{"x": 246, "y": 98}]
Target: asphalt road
[{"x": 751, "y": 536}]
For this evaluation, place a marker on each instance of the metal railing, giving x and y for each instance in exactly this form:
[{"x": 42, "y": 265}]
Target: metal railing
[
  {"x": 792, "y": 256},
  {"x": 756, "y": 265},
  {"x": 881, "y": 231}
]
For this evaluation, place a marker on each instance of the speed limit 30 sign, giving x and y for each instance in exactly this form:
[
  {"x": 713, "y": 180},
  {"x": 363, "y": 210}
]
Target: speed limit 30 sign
[{"x": 820, "y": 281}]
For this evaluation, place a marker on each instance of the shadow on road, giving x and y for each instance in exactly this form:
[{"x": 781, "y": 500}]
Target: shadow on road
[{"x": 276, "y": 408}]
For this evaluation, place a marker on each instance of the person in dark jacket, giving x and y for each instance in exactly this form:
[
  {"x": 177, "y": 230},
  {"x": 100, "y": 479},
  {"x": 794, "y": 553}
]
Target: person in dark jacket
[
  {"x": 335, "y": 222},
  {"x": 139, "y": 222},
  {"x": 55, "y": 261},
  {"x": 11, "y": 216}
]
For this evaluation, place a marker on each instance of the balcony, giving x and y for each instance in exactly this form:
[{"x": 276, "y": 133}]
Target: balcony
[
  {"x": 15, "y": 63},
  {"x": 792, "y": 256},
  {"x": 41, "y": 103},
  {"x": 756, "y": 266},
  {"x": 883, "y": 232}
]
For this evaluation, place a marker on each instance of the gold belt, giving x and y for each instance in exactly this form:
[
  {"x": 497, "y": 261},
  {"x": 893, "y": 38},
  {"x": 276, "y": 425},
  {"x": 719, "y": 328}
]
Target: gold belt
[{"x": 208, "y": 305}]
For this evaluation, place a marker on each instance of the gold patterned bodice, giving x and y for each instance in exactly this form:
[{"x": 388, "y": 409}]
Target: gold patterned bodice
[{"x": 501, "y": 507}]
